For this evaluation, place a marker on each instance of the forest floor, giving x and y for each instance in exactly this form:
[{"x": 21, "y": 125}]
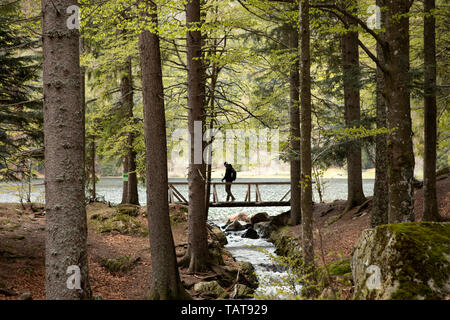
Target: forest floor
[
  {"x": 341, "y": 232},
  {"x": 22, "y": 246}
]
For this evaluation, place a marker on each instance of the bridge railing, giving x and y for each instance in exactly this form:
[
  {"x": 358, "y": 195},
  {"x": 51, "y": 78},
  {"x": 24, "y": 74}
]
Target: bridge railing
[{"x": 175, "y": 196}]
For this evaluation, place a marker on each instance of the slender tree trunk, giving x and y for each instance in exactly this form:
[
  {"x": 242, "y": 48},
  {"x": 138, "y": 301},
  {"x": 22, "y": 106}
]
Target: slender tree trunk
[
  {"x": 430, "y": 208},
  {"x": 126, "y": 87},
  {"x": 93, "y": 169},
  {"x": 400, "y": 146},
  {"x": 306, "y": 127},
  {"x": 211, "y": 128},
  {"x": 66, "y": 227},
  {"x": 125, "y": 183},
  {"x": 381, "y": 187},
  {"x": 197, "y": 251},
  {"x": 30, "y": 172},
  {"x": 351, "y": 76},
  {"x": 166, "y": 282},
  {"x": 294, "y": 83},
  {"x": 83, "y": 97}
]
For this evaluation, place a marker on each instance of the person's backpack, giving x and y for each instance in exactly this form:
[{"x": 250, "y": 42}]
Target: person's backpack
[{"x": 233, "y": 172}]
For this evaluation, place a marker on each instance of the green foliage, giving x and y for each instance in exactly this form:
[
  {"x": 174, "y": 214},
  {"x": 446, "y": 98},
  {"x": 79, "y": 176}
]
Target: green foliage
[{"x": 20, "y": 97}]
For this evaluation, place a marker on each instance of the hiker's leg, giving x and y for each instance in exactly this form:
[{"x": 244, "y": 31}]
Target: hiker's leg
[{"x": 228, "y": 191}]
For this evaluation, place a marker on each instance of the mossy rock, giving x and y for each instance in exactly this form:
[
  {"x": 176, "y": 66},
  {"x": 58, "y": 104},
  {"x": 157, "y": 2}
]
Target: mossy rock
[
  {"x": 178, "y": 214},
  {"x": 19, "y": 237},
  {"x": 241, "y": 291},
  {"x": 215, "y": 254},
  {"x": 122, "y": 223},
  {"x": 211, "y": 288},
  {"x": 247, "y": 269},
  {"x": 403, "y": 262},
  {"x": 218, "y": 235},
  {"x": 128, "y": 209},
  {"x": 286, "y": 246},
  {"x": 120, "y": 264},
  {"x": 336, "y": 269}
]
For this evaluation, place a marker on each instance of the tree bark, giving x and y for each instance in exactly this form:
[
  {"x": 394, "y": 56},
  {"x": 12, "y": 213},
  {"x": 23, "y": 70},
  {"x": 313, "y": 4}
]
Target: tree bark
[
  {"x": 126, "y": 88},
  {"x": 381, "y": 186},
  {"x": 93, "y": 169},
  {"x": 214, "y": 75},
  {"x": 166, "y": 282},
  {"x": 430, "y": 208},
  {"x": 83, "y": 97},
  {"x": 197, "y": 251},
  {"x": 294, "y": 83},
  {"x": 125, "y": 183},
  {"x": 306, "y": 127},
  {"x": 66, "y": 226},
  {"x": 400, "y": 146},
  {"x": 351, "y": 76}
]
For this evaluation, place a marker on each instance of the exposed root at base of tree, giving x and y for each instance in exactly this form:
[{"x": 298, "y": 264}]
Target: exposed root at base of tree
[
  {"x": 194, "y": 265},
  {"x": 179, "y": 293}
]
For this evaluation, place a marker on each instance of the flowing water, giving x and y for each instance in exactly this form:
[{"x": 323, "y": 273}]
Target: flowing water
[{"x": 254, "y": 251}]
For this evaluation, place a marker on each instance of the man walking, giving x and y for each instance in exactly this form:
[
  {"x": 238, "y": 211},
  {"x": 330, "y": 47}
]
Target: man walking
[{"x": 230, "y": 176}]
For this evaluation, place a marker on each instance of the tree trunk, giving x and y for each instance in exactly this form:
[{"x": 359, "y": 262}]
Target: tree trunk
[
  {"x": 400, "y": 146},
  {"x": 430, "y": 208},
  {"x": 197, "y": 251},
  {"x": 66, "y": 227},
  {"x": 211, "y": 127},
  {"x": 125, "y": 183},
  {"x": 351, "y": 76},
  {"x": 93, "y": 169},
  {"x": 294, "y": 82},
  {"x": 306, "y": 127},
  {"x": 166, "y": 282},
  {"x": 381, "y": 187},
  {"x": 83, "y": 97},
  {"x": 126, "y": 88}
]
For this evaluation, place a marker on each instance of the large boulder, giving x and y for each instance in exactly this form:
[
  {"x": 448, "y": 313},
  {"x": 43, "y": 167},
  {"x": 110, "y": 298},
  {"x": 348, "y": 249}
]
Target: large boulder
[
  {"x": 212, "y": 288},
  {"x": 218, "y": 235},
  {"x": 250, "y": 234},
  {"x": 247, "y": 269},
  {"x": 264, "y": 229},
  {"x": 235, "y": 226},
  {"x": 259, "y": 217},
  {"x": 282, "y": 219},
  {"x": 403, "y": 261},
  {"x": 241, "y": 291}
]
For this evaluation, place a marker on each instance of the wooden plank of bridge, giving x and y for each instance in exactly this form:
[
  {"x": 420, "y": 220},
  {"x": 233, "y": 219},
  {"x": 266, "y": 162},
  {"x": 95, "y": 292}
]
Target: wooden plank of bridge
[
  {"x": 179, "y": 195},
  {"x": 288, "y": 192},
  {"x": 258, "y": 194},
  {"x": 171, "y": 201},
  {"x": 215, "y": 197}
]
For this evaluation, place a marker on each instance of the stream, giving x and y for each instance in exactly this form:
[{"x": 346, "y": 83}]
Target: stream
[{"x": 270, "y": 275}]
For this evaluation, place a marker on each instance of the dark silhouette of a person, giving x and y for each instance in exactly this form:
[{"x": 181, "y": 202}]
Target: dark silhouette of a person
[{"x": 230, "y": 176}]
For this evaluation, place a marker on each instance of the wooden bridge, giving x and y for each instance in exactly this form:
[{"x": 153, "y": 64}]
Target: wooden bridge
[{"x": 175, "y": 196}]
